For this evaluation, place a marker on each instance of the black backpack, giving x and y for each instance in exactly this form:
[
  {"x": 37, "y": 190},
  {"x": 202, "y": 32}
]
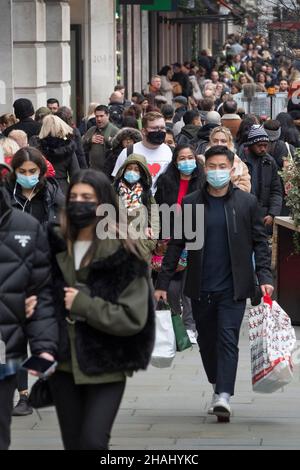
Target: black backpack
[{"x": 116, "y": 114}]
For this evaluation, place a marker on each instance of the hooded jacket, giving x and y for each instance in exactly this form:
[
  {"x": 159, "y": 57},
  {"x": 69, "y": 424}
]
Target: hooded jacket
[
  {"x": 200, "y": 142},
  {"x": 187, "y": 133},
  {"x": 117, "y": 147},
  {"x": 146, "y": 246},
  {"x": 25, "y": 271}
]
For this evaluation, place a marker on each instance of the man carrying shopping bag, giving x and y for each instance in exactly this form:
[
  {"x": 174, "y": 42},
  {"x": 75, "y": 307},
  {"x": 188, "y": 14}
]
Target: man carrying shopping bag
[{"x": 220, "y": 275}]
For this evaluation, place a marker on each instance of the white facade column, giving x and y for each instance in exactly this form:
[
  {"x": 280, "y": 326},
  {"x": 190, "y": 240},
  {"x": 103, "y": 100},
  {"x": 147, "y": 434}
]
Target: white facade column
[
  {"x": 6, "y": 57},
  {"x": 102, "y": 53},
  {"x": 137, "y": 52},
  {"x": 58, "y": 51},
  {"x": 145, "y": 48},
  {"x": 29, "y": 51}
]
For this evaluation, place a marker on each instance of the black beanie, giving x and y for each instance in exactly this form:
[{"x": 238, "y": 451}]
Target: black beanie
[{"x": 23, "y": 108}]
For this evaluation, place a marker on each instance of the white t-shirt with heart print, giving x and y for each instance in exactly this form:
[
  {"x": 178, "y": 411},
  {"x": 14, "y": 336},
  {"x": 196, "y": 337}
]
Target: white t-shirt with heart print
[{"x": 157, "y": 159}]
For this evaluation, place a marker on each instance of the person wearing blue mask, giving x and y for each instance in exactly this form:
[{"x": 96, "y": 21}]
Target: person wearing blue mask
[
  {"x": 30, "y": 191},
  {"x": 220, "y": 274},
  {"x": 133, "y": 184},
  {"x": 183, "y": 176}
]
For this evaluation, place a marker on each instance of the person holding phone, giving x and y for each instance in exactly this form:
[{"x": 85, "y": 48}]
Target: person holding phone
[
  {"x": 98, "y": 139},
  {"x": 106, "y": 329},
  {"x": 25, "y": 272},
  {"x": 31, "y": 192}
]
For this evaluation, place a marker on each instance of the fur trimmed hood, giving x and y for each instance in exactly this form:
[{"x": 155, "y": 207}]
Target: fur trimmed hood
[{"x": 126, "y": 133}]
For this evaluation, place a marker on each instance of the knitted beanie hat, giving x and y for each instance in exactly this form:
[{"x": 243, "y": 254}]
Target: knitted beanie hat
[
  {"x": 257, "y": 134},
  {"x": 23, "y": 108}
]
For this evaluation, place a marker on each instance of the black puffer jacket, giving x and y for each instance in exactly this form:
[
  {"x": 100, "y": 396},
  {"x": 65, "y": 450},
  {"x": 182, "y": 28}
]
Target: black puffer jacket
[
  {"x": 44, "y": 206},
  {"x": 25, "y": 271}
]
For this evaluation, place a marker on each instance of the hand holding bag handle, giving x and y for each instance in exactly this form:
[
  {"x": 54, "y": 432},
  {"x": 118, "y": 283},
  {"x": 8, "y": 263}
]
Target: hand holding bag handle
[{"x": 267, "y": 300}]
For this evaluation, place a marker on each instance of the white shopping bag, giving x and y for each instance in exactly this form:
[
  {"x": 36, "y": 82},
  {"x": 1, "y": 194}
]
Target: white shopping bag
[
  {"x": 165, "y": 343},
  {"x": 272, "y": 340}
]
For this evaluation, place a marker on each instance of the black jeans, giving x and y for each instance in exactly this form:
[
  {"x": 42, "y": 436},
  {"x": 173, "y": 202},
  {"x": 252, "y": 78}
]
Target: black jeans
[
  {"x": 7, "y": 390},
  {"x": 175, "y": 297},
  {"x": 86, "y": 413},
  {"x": 22, "y": 380},
  {"x": 218, "y": 320}
]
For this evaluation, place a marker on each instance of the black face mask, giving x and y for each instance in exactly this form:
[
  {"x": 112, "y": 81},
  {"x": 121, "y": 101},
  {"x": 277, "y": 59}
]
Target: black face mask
[
  {"x": 81, "y": 214},
  {"x": 156, "y": 137}
]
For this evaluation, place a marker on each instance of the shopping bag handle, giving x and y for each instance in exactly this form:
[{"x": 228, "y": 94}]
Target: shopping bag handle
[{"x": 267, "y": 300}]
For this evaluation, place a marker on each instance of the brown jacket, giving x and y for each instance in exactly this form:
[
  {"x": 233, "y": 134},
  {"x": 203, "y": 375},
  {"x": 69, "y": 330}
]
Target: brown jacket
[{"x": 232, "y": 122}]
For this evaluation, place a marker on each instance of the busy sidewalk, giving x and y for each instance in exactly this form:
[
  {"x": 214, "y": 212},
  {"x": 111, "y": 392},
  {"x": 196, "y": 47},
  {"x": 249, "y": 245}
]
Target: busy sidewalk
[{"x": 166, "y": 409}]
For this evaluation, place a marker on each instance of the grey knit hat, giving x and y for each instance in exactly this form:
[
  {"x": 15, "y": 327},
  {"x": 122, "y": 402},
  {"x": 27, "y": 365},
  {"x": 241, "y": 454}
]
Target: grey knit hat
[{"x": 257, "y": 134}]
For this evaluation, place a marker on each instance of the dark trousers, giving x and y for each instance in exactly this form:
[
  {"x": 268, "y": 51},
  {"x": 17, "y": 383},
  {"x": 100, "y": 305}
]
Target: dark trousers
[
  {"x": 175, "y": 297},
  {"x": 7, "y": 390},
  {"x": 218, "y": 321},
  {"x": 22, "y": 380},
  {"x": 86, "y": 413}
]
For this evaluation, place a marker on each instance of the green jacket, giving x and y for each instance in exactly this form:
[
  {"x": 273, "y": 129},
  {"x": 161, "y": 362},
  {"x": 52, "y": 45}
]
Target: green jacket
[
  {"x": 97, "y": 152},
  {"x": 146, "y": 246},
  {"x": 125, "y": 318}
]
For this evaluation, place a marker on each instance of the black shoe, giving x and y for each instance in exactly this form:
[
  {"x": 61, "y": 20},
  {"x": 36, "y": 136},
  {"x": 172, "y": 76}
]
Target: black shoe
[{"x": 22, "y": 408}]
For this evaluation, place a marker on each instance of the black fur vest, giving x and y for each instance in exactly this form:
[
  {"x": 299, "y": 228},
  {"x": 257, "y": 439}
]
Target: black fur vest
[{"x": 98, "y": 352}]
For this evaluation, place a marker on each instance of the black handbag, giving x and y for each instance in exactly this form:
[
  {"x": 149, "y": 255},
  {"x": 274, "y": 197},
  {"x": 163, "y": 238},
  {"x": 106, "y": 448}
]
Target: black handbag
[{"x": 40, "y": 395}]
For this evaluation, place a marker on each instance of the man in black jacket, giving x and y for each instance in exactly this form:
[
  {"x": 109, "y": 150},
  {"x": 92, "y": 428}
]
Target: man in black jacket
[
  {"x": 265, "y": 181},
  {"x": 220, "y": 275},
  {"x": 24, "y": 112},
  {"x": 25, "y": 272}
]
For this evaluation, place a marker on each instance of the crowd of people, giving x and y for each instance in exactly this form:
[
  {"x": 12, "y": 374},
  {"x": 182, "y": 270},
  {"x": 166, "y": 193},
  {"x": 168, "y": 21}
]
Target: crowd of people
[{"x": 87, "y": 301}]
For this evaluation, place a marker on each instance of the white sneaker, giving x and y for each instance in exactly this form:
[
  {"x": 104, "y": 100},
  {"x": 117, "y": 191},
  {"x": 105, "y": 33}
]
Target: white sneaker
[
  {"x": 222, "y": 408},
  {"x": 192, "y": 336},
  {"x": 214, "y": 400}
]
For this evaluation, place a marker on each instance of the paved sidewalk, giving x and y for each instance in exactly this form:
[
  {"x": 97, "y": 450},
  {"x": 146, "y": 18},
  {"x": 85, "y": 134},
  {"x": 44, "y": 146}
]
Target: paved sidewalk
[{"x": 166, "y": 409}]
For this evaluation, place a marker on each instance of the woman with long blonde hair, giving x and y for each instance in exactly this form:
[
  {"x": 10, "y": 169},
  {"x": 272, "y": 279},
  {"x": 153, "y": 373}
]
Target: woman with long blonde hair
[
  {"x": 58, "y": 146},
  {"x": 240, "y": 178}
]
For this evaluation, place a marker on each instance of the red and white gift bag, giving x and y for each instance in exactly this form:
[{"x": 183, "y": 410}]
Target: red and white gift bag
[{"x": 272, "y": 340}]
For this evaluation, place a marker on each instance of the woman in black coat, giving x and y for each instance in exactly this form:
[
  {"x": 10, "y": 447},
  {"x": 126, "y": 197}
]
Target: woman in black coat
[
  {"x": 29, "y": 189},
  {"x": 58, "y": 146},
  {"x": 31, "y": 192},
  {"x": 66, "y": 114},
  {"x": 25, "y": 271},
  {"x": 183, "y": 176}
]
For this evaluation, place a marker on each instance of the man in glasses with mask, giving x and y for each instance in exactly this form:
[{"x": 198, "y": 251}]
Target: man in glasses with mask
[{"x": 158, "y": 155}]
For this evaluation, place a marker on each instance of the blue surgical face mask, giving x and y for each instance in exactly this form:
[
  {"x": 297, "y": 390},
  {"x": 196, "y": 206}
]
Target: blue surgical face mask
[
  {"x": 27, "y": 182},
  {"x": 218, "y": 178},
  {"x": 132, "y": 176},
  {"x": 186, "y": 167}
]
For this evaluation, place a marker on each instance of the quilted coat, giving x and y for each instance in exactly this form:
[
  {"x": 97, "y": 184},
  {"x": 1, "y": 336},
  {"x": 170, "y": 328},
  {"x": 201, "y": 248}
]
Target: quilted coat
[{"x": 25, "y": 271}]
